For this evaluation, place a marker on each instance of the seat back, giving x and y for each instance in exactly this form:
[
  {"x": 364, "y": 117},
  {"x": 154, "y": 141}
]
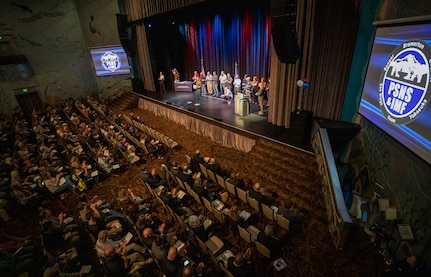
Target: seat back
[
  {"x": 203, "y": 170},
  {"x": 211, "y": 175},
  {"x": 268, "y": 211},
  {"x": 244, "y": 234},
  {"x": 202, "y": 245},
  {"x": 230, "y": 188},
  {"x": 214, "y": 260},
  {"x": 188, "y": 189},
  {"x": 254, "y": 203},
  {"x": 180, "y": 182},
  {"x": 220, "y": 181},
  {"x": 196, "y": 196},
  {"x": 262, "y": 249},
  {"x": 188, "y": 159},
  {"x": 207, "y": 204},
  {"x": 218, "y": 215},
  {"x": 242, "y": 194},
  {"x": 226, "y": 271},
  {"x": 283, "y": 222}
]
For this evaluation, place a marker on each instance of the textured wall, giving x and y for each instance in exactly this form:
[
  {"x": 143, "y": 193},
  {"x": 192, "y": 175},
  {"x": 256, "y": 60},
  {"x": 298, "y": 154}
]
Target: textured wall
[
  {"x": 55, "y": 36},
  {"x": 402, "y": 177}
]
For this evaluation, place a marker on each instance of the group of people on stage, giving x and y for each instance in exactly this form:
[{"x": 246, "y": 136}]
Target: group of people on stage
[{"x": 224, "y": 86}]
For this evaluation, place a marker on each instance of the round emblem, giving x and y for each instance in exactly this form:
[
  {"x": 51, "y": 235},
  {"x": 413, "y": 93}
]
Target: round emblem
[
  {"x": 404, "y": 90},
  {"x": 110, "y": 61}
]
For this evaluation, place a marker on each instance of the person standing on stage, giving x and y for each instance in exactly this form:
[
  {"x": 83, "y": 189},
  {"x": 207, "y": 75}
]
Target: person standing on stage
[
  {"x": 236, "y": 84},
  {"x": 198, "y": 92},
  {"x": 209, "y": 80},
  {"x": 247, "y": 87},
  {"x": 254, "y": 89},
  {"x": 244, "y": 81},
  {"x": 195, "y": 76},
  {"x": 203, "y": 81},
  {"x": 268, "y": 86},
  {"x": 229, "y": 81},
  {"x": 176, "y": 75},
  {"x": 260, "y": 94},
  {"x": 162, "y": 82},
  {"x": 222, "y": 80},
  {"x": 216, "y": 90}
]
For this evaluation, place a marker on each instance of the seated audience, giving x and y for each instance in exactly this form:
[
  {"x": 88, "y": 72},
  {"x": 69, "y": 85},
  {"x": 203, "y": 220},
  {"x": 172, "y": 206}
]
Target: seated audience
[
  {"x": 119, "y": 263},
  {"x": 241, "y": 266},
  {"x": 152, "y": 178},
  {"x": 103, "y": 242},
  {"x": 267, "y": 238},
  {"x": 213, "y": 166},
  {"x": 171, "y": 264},
  {"x": 195, "y": 161},
  {"x": 291, "y": 212},
  {"x": 258, "y": 192}
]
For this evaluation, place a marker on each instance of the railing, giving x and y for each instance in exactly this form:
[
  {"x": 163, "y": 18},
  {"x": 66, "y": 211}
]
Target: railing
[{"x": 339, "y": 220}]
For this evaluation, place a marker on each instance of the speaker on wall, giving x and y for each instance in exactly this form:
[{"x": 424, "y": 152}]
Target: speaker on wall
[
  {"x": 283, "y": 27},
  {"x": 123, "y": 34}
]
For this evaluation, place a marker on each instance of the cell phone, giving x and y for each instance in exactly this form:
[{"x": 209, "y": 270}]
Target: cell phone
[{"x": 186, "y": 262}]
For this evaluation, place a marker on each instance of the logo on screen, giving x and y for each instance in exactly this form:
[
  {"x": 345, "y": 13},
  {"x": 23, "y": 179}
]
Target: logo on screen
[
  {"x": 110, "y": 61},
  {"x": 404, "y": 89}
]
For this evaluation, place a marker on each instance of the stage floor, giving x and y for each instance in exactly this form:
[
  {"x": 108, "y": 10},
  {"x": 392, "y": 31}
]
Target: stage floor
[{"x": 219, "y": 110}]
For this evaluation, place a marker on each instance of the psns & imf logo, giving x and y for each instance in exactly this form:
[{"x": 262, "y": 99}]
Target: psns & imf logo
[
  {"x": 110, "y": 61},
  {"x": 404, "y": 90}
]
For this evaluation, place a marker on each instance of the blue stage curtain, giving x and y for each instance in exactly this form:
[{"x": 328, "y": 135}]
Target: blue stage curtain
[{"x": 223, "y": 39}]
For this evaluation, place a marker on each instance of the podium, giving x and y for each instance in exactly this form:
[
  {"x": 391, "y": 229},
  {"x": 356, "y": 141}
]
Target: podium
[{"x": 242, "y": 105}]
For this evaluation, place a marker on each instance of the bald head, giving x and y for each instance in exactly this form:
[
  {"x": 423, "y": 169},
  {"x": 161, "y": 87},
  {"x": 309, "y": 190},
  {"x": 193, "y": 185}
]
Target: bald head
[
  {"x": 147, "y": 232},
  {"x": 256, "y": 186},
  {"x": 187, "y": 271}
]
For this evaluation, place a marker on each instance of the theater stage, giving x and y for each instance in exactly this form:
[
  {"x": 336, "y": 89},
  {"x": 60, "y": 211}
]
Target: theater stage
[{"x": 220, "y": 112}]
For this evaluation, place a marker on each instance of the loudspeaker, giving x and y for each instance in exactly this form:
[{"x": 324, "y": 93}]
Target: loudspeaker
[
  {"x": 123, "y": 34},
  {"x": 283, "y": 27},
  {"x": 300, "y": 127}
]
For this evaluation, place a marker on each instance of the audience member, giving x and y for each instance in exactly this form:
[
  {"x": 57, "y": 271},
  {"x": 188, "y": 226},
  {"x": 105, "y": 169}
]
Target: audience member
[
  {"x": 241, "y": 266},
  {"x": 170, "y": 264},
  {"x": 258, "y": 192},
  {"x": 291, "y": 212},
  {"x": 119, "y": 263},
  {"x": 195, "y": 161},
  {"x": 103, "y": 242},
  {"x": 272, "y": 243}
]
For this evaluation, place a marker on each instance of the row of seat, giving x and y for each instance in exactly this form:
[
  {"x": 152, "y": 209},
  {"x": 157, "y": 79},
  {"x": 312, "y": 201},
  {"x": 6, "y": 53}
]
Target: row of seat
[
  {"x": 170, "y": 143},
  {"x": 250, "y": 233},
  {"x": 243, "y": 195},
  {"x": 214, "y": 244}
]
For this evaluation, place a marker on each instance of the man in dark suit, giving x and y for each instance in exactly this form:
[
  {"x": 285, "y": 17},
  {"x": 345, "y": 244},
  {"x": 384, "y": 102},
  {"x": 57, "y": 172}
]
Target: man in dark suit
[{"x": 272, "y": 243}]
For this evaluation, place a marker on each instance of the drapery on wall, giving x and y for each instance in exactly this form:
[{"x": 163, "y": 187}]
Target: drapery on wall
[
  {"x": 226, "y": 38},
  {"x": 147, "y": 8},
  {"x": 223, "y": 136}
]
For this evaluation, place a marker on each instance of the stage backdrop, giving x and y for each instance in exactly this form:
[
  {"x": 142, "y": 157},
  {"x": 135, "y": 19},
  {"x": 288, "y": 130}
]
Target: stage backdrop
[{"x": 218, "y": 37}]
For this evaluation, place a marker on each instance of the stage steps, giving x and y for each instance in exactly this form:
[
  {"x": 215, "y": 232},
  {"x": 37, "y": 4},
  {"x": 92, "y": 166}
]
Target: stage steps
[{"x": 127, "y": 100}]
